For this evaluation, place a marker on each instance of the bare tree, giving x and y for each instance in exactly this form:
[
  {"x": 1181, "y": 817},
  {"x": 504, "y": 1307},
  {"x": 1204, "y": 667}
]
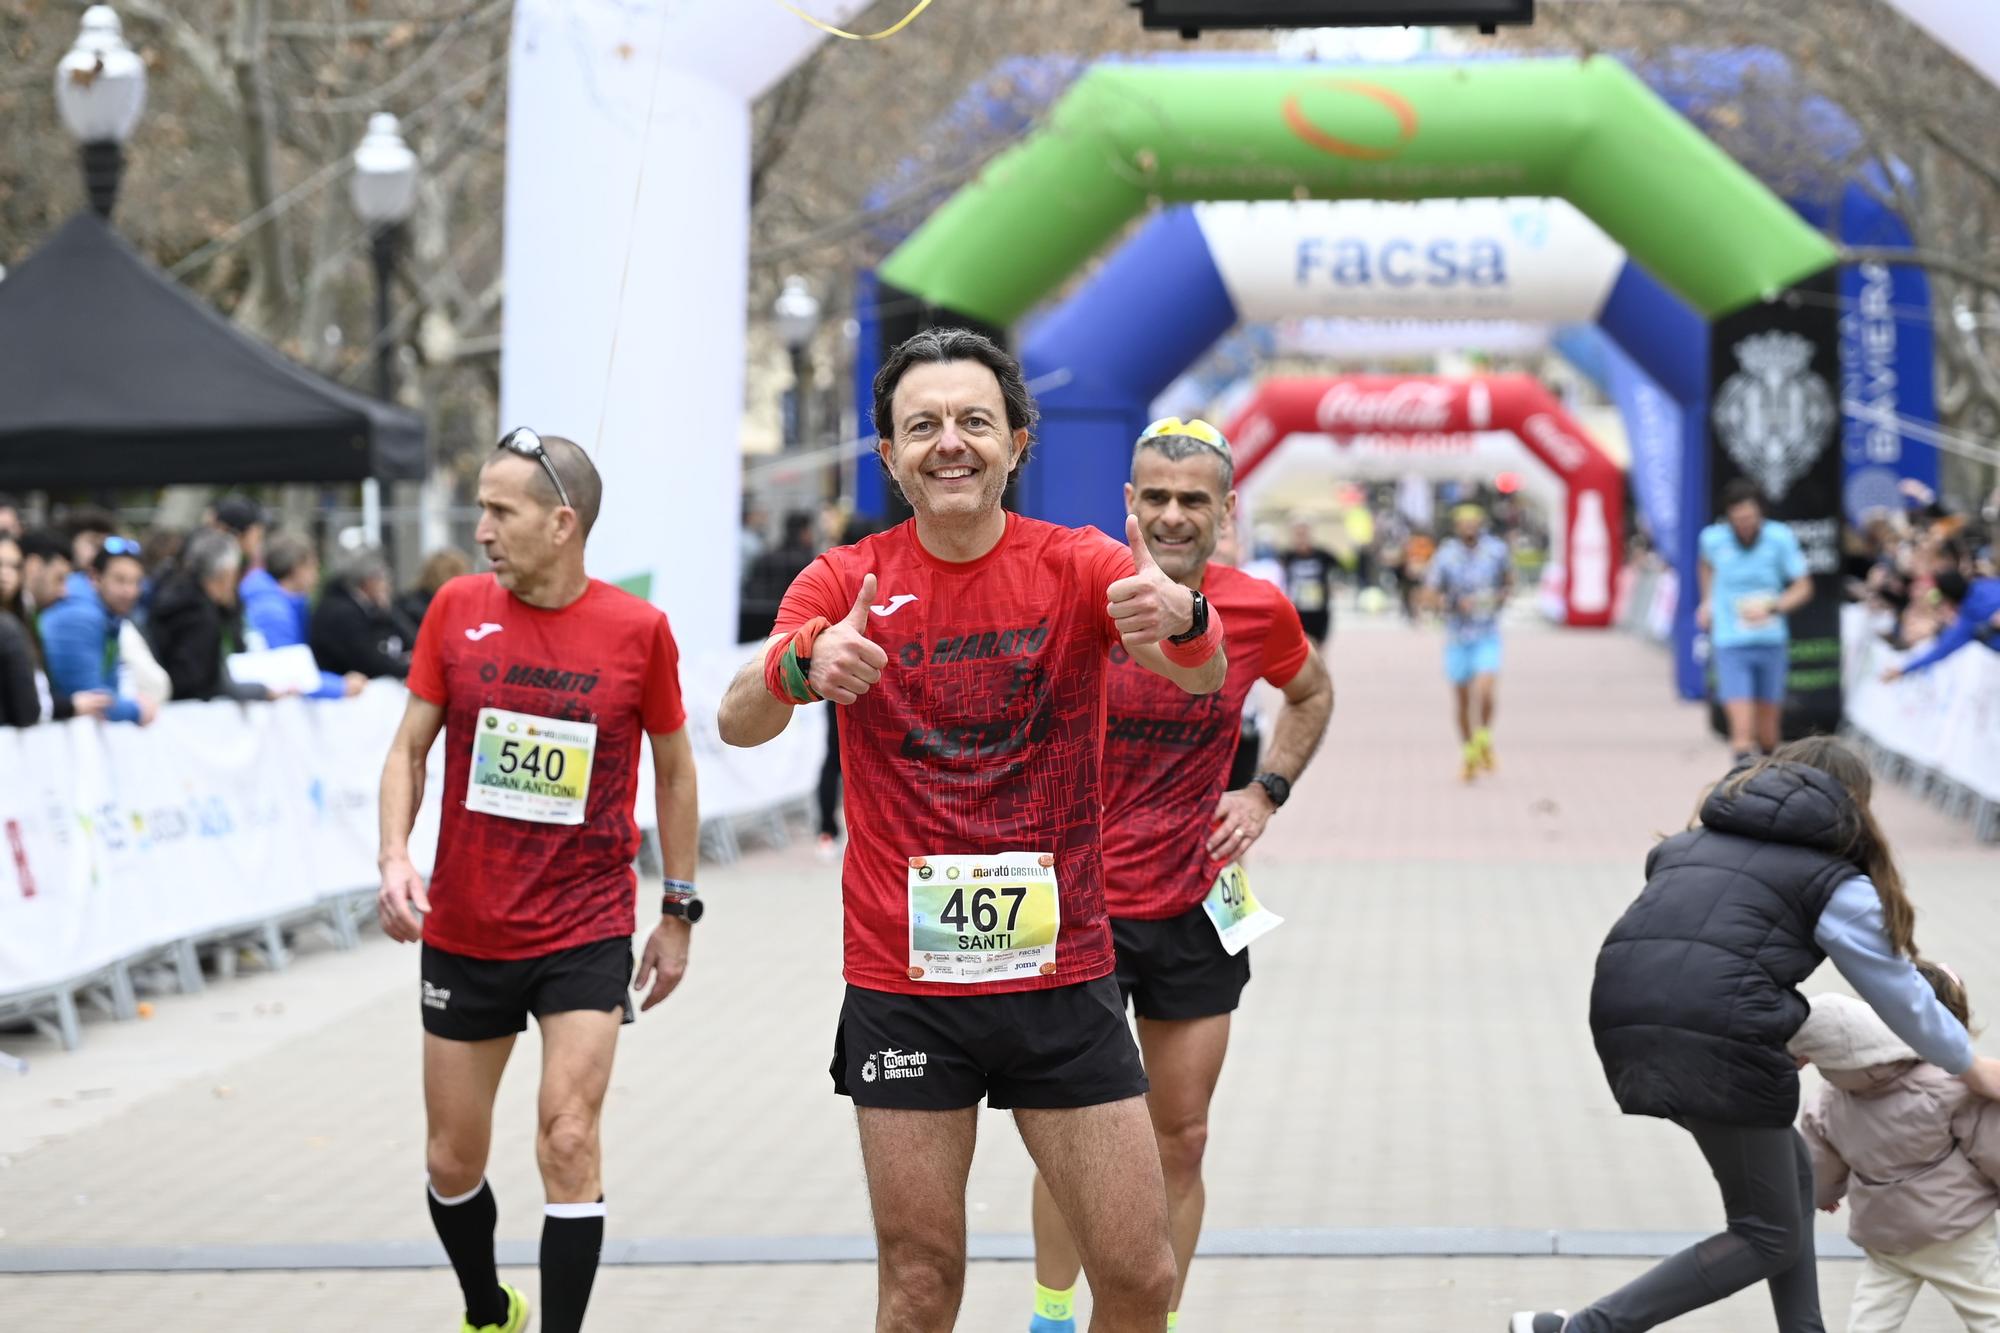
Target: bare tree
[{"x": 1921, "y": 114}]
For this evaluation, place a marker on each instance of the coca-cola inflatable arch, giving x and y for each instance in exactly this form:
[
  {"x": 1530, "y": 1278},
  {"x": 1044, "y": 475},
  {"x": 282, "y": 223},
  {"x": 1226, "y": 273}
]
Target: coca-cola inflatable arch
[{"x": 1587, "y": 540}]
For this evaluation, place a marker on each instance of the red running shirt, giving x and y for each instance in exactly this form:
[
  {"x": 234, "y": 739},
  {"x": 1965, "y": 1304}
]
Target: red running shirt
[
  {"x": 984, "y": 734},
  {"x": 1167, "y": 753},
  {"x": 513, "y": 888}
]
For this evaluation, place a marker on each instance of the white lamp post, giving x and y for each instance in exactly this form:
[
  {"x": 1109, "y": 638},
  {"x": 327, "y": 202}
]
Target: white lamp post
[
  {"x": 796, "y": 313},
  {"x": 384, "y": 189},
  {"x": 100, "y": 91}
]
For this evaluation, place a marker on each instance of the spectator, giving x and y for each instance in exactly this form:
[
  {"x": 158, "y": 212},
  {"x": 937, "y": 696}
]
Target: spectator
[
  {"x": 440, "y": 568},
  {"x": 45, "y": 571},
  {"x": 764, "y": 586},
  {"x": 753, "y": 542},
  {"x": 1975, "y": 606},
  {"x": 87, "y": 527},
  {"x": 20, "y": 705},
  {"x": 161, "y": 552},
  {"x": 198, "y": 622},
  {"x": 10, "y": 516},
  {"x": 243, "y": 518},
  {"x": 355, "y": 628},
  {"x": 275, "y": 609},
  {"x": 80, "y": 632}
]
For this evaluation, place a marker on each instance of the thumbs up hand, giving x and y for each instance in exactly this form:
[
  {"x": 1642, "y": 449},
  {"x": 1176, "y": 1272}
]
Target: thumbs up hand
[
  {"x": 845, "y": 661},
  {"x": 1147, "y": 606}
]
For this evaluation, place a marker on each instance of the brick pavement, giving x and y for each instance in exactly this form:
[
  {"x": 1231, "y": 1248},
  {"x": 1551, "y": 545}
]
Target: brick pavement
[{"x": 1413, "y": 1053}]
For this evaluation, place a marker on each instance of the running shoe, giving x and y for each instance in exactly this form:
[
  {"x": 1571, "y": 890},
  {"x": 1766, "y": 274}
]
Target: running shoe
[
  {"x": 517, "y": 1316},
  {"x": 1527, "y": 1321},
  {"x": 1042, "y": 1324},
  {"x": 1469, "y": 766},
  {"x": 1485, "y": 743},
  {"x": 828, "y": 849}
]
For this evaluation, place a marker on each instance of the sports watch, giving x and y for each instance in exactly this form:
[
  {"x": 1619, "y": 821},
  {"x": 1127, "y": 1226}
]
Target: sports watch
[
  {"x": 682, "y": 900},
  {"x": 1199, "y": 626},
  {"x": 1279, "y": 789}
]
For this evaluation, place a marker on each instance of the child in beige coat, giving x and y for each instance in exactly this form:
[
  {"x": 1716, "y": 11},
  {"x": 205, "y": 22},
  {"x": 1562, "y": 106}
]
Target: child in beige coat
[{"x": 1916, "y": 1154}]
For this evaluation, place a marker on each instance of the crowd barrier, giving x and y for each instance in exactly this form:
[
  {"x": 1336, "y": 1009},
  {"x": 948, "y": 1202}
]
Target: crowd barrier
[
  {"x": 131, "y": 849},
  {"x": 1939, "y": 729}
]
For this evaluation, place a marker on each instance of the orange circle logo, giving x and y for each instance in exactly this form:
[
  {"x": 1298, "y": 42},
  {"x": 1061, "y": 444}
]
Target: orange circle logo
[{"x": 1399, "y": 106}]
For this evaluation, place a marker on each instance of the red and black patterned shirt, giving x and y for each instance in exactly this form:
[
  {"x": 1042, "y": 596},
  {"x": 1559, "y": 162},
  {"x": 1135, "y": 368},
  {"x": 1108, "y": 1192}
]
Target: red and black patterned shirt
[
  {"x": 984, "y": 734},
  {"x": 512, "y": 888},
  {"x": 1167, "y": 753}
]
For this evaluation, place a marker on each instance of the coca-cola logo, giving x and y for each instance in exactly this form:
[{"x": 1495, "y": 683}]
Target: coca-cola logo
[
  {"x": 1417, "y": 405},
  {"x": 1560, "y": 447}
]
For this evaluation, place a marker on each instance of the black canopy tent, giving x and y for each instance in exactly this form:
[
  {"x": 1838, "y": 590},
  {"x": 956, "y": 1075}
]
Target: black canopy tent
[{"x": 112, "y": 374}]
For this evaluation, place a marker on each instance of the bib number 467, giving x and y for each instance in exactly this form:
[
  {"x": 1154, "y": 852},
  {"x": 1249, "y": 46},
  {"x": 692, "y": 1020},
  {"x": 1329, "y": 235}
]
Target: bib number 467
[{"x": 985, "y": 908}]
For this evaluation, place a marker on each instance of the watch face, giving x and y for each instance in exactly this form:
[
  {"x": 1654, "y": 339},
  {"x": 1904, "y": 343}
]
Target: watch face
[{"x": 694, "y": 907}]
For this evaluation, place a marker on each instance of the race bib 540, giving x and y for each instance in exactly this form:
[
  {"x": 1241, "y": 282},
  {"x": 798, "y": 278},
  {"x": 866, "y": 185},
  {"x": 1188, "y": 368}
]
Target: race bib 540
[{"x": 532, "y": 768}]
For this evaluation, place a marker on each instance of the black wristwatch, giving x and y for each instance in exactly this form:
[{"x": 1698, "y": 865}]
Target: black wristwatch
[
  {"x": 681, "y": 900},
  {"x": 1279, "y": 789},
  {"x": 1200, "y": 625}
]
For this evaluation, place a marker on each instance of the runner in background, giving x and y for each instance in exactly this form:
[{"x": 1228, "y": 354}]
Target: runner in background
[
  {"x": 1468, "y": 583},
  {"x": 545, "y": 683},
  {"x": 1309, "y": 570},
  {"x": 1175, "y": 831}
]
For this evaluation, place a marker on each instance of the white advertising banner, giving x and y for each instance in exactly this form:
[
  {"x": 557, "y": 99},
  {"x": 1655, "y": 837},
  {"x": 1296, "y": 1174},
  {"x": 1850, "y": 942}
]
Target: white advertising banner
[
  {"x": 1525, "y": 260},
  {"x": 628, "y": 150},
  {"x": 121, "y": 839},
  {"x": 1945, "y": 718}
]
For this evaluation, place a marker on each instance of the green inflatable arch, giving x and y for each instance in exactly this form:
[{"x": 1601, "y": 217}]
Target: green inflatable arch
[{"x": 1127, "y": 136}]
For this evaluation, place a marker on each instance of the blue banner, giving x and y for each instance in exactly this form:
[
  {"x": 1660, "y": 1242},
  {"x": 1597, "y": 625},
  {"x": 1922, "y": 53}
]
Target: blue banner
[{"x": 1653, "y": 427}]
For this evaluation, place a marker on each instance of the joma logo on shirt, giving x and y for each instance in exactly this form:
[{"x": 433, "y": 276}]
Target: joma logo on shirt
[
  {"x": 549, "y": 678},
  {"x": 980, "y": 644}
]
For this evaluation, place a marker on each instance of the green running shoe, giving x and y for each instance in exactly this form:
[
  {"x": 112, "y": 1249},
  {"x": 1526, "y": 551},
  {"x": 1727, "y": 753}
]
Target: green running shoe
[{"x": 517, "y": 1316}]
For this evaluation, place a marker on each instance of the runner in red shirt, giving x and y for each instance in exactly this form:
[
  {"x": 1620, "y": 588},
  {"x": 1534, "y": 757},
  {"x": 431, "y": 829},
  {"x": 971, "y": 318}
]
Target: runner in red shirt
[
  {"x": 545, "y": 682},
  {"x": 1181, "y": 913},
  {"x": 968, "y": 651}
]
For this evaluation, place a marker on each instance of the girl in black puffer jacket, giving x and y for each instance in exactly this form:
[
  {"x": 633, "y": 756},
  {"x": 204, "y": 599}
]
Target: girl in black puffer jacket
[{"x": 1697, "y": 994}]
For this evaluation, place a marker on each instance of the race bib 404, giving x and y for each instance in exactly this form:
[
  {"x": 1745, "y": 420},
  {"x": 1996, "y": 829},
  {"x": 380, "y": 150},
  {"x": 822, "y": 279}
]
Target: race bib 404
[
  {"x": 532, "y": 768},
  {"x": 1235, "y": 912},
  {"x": 983, "y": 918}
]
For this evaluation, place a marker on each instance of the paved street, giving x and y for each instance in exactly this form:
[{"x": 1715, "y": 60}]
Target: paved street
[{"x": 1412, "y": 1055}]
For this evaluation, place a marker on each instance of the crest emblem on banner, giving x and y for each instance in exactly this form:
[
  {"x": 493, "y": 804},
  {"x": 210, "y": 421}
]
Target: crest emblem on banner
[{"x": 1774, "y": 415}]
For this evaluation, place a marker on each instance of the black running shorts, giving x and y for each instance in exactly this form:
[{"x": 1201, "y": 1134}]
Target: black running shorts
[
  {"x": 1064, "y": 1047},
  {"x": 477, "y": 999},
  {"x": 1176, "y": 968}
]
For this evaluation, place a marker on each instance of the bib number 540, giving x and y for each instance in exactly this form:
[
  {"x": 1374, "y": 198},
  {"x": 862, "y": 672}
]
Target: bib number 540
[
  {"x": 532, "y": 759},
  {"x": 985, "y": 908}
]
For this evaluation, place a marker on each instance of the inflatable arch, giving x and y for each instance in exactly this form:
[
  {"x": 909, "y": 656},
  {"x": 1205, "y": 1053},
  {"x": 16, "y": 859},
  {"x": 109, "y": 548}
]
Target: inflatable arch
[
  {"x": 1441, "y": 412},
  {"x": 1127, "y": 135},
  {"x": 1191, "y": 274},
  {"x": 627, "y": 259}
]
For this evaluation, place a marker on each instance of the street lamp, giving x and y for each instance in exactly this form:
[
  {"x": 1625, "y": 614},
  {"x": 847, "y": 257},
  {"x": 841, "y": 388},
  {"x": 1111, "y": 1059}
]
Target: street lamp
[
  {"x": 796, "y": 314},
  {"x": 384, "y": 189},
  {"x": 100, "y": 91}
]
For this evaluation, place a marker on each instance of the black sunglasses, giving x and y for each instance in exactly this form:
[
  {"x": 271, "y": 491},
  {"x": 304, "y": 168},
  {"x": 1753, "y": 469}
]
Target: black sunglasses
[{"x": 527, "y": 444}]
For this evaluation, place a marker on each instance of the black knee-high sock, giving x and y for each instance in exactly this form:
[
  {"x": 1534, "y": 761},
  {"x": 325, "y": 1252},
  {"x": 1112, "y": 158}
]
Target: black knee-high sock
[
  {"x": 572, "y": 1237},
  {"x": 465, "y": 1225}
]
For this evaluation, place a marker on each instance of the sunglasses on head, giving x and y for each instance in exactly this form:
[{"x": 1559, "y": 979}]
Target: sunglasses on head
[
  {"x": 527, "y": 444},
  {"x": 121, "y": 546},
  {"x": 1194, "y": 428}
]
